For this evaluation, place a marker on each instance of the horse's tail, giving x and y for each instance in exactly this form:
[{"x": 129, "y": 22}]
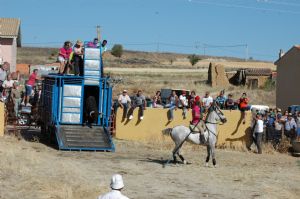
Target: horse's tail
[{"x": 167, "y": 131}]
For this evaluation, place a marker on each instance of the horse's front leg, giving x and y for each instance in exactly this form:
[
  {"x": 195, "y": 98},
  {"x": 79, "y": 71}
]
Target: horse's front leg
[
  {"x": 213, "y": 155},
  {"x": 208, "y": 155},
  {"x": 174, "y": 158}
]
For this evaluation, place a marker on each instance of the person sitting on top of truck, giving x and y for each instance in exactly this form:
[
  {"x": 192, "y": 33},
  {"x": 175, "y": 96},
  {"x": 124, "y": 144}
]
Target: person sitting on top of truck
[
  {"x": 64, "y": 55},
  {"x": 94, "y": 44}
]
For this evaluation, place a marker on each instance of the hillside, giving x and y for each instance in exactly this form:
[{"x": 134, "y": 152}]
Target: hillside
[{"x": 138, "y": 59}]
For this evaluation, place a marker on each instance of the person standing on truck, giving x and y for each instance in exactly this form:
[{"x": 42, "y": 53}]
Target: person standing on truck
[
  {"x": 29, "y": 86},
  {"x": 16, "y": 97},
  {"x": 103, "y": 50},
  {"x": 78, "y": 58}
]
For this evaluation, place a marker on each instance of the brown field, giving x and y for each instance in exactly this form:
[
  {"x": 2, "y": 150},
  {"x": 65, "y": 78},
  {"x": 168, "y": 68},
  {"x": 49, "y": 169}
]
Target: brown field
[{"x": 34, "y": 170}]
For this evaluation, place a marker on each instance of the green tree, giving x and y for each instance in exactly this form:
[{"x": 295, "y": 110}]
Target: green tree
[
  {"x": 194, "y": 59},
  {"x": 117, "y": 50}
]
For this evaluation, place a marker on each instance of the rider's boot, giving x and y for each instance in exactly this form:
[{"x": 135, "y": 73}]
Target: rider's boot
[{"x": 202, "y": 138}]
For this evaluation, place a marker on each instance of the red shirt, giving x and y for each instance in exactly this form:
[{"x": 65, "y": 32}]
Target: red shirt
[
  {"x": 244, "y": 102},
  {"x": 31, "y": 80},
  {"x": 196, "y": 113}
]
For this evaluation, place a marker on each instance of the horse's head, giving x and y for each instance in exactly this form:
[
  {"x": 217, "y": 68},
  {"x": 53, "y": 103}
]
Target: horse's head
[{"x": 215, "y": 114}]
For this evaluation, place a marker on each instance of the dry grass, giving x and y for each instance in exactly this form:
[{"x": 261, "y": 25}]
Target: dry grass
[
  {"x": 67, "y": 181},
  {"x": 151, "y": 82}
]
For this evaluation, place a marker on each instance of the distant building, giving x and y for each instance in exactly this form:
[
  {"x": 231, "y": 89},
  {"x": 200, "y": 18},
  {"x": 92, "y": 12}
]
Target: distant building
[
  {"x": 288, "y": 78},
  {"x": 251, "y": 77},
  {"x": 10, "y": 39}
]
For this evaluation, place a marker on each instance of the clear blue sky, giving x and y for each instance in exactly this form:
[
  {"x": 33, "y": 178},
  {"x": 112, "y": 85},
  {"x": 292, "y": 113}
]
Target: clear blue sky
[{"x": 183, "y": 26}]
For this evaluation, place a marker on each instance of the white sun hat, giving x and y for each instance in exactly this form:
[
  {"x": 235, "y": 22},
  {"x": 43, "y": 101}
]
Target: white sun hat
[{"x": 116, "y": 182}]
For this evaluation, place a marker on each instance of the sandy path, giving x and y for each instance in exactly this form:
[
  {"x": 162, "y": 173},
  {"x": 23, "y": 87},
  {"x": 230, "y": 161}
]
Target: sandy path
[
  {"x": 154, "y": 70},
  {"x": 34, "y": 170}
]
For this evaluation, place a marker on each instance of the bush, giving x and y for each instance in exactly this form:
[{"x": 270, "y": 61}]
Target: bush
[
  {"x": 193, "y": 59},
  {"x": 269, "y": 85},
  {"x": 117, "y": 50}
]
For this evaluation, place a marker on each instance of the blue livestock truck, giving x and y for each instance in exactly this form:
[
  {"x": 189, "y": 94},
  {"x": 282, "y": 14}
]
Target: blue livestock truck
[{"x": 63, "y": 107}]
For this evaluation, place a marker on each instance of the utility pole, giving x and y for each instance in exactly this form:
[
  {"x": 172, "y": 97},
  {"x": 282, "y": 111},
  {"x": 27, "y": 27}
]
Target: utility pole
[
  {"x": 98, "y": 32},
  {"x": 247, "y": 53},
  {"x": 157, "y": 47}
]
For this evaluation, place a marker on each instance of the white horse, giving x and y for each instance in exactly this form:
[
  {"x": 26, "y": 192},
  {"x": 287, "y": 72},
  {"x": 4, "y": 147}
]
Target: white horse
[{"x": 206, "y": 135}]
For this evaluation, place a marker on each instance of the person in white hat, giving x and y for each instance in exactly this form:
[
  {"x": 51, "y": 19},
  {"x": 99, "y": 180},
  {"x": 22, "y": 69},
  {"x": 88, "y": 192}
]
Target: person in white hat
[
  {"x": 116, "y": 186},
  {"x": 124, "y": 101}
]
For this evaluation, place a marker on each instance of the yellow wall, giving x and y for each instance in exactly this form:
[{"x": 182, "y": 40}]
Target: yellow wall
[
  {"x": 1, "y": 119},
  {"x": 234, "y": 133}
]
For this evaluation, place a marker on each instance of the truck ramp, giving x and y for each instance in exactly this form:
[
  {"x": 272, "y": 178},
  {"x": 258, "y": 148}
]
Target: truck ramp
[{"x": 77, "y": 137}]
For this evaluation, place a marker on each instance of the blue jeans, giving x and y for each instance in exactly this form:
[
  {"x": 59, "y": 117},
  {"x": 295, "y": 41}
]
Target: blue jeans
[
  {"x": 125, "y": 108},
  {"x": 17, "y": 103},
  {"x": 171, "y": 110},
  {"x": 184, "y": 111},
  {"x": 28, "y": 89}
]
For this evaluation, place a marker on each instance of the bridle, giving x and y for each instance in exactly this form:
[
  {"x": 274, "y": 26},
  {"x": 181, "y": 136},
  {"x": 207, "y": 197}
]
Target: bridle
[{"x": 219, "y": 114}]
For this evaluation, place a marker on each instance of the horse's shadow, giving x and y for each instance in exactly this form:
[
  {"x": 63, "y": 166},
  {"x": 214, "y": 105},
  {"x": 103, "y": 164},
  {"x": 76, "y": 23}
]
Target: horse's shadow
[{"x": 160, "y": 161}]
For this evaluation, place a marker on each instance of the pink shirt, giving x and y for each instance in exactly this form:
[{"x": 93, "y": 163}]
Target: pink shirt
[
  {"x": 32, "y": 79},
  {"x": 65, "y": 53},
  {"x": 196, "y": 115}
]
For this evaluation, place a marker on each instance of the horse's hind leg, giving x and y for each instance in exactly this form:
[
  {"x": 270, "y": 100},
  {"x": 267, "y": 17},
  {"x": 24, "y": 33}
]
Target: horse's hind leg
[
  {"x": 208, "y": 155},
  {"x": 181, "y": 157},
  {"x": 174, "y": 155}
]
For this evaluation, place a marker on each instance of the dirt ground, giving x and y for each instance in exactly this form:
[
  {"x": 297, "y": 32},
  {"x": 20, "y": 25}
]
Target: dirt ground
[{"x": 31, "y": 169}]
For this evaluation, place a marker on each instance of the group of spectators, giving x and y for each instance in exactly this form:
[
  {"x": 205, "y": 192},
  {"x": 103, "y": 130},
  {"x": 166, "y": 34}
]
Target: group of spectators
[
  {"x": 272, "y": 125},
  {"x": 199, "y": 105},
  {"x": 72, "y": 56},
  {"x": 12, "y": 87}
]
